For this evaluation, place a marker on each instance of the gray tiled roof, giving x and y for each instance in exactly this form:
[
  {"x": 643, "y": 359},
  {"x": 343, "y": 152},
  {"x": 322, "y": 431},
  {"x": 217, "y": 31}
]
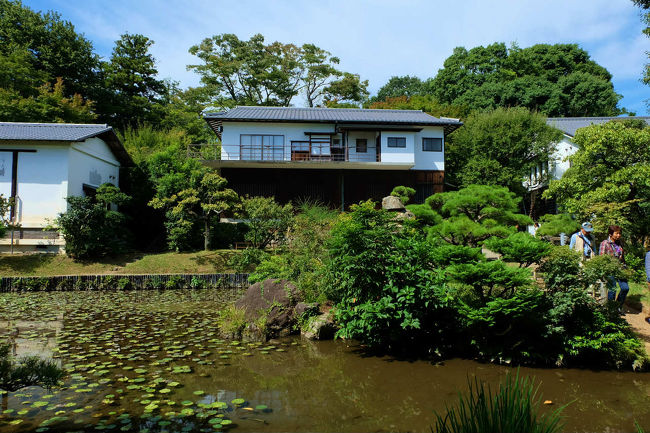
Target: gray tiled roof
[
  {"x": 50, "y": 131},
  {"x": 569, "y": 125},
  {"x": 340, "y": 115}
]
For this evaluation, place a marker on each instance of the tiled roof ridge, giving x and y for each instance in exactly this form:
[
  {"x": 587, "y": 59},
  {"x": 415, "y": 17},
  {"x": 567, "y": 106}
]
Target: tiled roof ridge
[
  {"x": 327, "y": 108},
  {"x": 49, "y": 125}
]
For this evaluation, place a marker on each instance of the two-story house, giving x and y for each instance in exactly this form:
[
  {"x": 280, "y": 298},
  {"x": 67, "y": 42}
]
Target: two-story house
[{"x": 337, "y": 156}]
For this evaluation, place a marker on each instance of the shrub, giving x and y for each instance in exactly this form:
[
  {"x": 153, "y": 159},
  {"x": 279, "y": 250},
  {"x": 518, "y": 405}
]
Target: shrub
[
  {"x": 267, "y": 221},
  {"x": 561, "y": 269},
  {"x": 247, "y": 260},
  {"x": 519, "y": 247},
  {"x": 90, "y": 228},
  {"x": 404, "y": 193},
  {"x": 124, "y": 284},
  {"x": 553, "y": 225},
  {"x": 232, "y": 321},
  {"x": 514, "y": 407}
]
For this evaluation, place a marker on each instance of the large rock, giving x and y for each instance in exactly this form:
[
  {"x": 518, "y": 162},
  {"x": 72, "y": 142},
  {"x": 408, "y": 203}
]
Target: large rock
[
  {"x": 392, "y": 203},
  {"x": 320, "y": 328},
  {"x": 271, "y": 302}
]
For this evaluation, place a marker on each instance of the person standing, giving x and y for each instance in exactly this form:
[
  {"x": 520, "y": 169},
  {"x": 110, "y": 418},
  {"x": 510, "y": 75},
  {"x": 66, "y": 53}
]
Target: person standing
[
  {"x": 647, "y": 272},
  {"x": 582, "y": 242},
  {"x": 612, "y": 246}
]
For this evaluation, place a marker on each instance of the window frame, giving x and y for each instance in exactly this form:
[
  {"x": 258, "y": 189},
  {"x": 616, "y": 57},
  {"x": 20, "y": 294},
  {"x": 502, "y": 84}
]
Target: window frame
[
  {"x": 365, "y": 145},
  {"x": 432, "y": 150},
  {"x": 394, "y": 146}
]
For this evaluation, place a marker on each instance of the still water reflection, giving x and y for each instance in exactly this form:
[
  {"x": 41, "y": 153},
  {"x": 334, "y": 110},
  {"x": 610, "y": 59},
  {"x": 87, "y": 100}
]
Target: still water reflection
[{"x": 156, "y": 362}]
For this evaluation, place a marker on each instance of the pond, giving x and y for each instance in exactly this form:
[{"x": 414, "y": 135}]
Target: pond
[{"x": 153, "y": 361}]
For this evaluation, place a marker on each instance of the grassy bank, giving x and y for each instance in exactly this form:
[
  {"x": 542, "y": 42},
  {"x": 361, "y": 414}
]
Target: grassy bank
[{"x": 136, "y": 263}]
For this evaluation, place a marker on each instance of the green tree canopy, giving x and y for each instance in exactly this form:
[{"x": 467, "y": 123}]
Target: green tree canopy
[
  {"x": 130, "y": 77},
  {"x": 645, "y": 5},
  {"x": 499, "y": 147},
  {"x": 53, "y": 47},
  {"x": 609, "y": 177},
  {"x": 556, "y": 80},
  {"x": 238, "y": 72},
  {"x": 400, "y": 86}
]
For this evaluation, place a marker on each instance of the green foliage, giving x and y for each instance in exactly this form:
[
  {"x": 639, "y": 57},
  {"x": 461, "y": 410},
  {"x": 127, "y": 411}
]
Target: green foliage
[
  {"x": 519, "y": 247},
  {"x": 267, "y": 221},
  {"x": 232, "y": 321},
  {"x": 609, "y": 178},
  {"x": 247, "y": 260},
  {"x": 426, "y": 103},
  {"x": 237, "y": 72},
  {"x": 475, "y": 213},
  {"x": 561, "y": 269},
  {"x": 490, "y": 279},
  {"x": 553, "y": 225},
  {"x": 599, "y": 268},
  {"x": 26, "y": 371},
  {"x": 424, "y": 215},
  {"x": 130, "y": 77},
  {"x": 387, "y": 292},
  {"x": 90, "y": 228},
  {"x": 400, "y": 86},
  {"x": 500, "y": 147},
  {"x": 515, "y": 407},
  {"x": 404, "y": 193},
  {"x": 303, "y": 258},
  {"x": 556, "y": 80}
]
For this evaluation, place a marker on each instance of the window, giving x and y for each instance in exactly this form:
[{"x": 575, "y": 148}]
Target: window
[
  {"x": 396, "y": 141},
  {"x": 362, "y": 145},
  {"x": 432, "y": 144},
  {"x": 261, "y": 147}
]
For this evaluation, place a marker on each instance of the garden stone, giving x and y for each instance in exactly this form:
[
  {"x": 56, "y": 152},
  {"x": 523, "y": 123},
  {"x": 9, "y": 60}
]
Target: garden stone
[
  {"x": 392, "y": 203},
  {"x": 274, "y": 299},
  {"x": 320, "y": 328},
  {"x": 304, "y": 309}
]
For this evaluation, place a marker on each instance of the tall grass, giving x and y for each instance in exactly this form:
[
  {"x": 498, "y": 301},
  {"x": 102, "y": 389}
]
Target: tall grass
[{"x": 513, "y": 409}]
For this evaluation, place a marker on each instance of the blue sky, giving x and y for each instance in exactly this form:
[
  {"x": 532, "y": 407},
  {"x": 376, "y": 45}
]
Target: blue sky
[{"x": 376, "y": 39}]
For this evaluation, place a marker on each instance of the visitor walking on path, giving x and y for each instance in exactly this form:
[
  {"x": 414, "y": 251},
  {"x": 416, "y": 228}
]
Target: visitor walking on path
[
  {"x": 582, "y": 242},
  {"x": 612, "y": 246}
]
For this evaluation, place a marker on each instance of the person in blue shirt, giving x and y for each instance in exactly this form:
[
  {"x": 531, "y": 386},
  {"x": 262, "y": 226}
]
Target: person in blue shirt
[{"x": 582, "y": 241}]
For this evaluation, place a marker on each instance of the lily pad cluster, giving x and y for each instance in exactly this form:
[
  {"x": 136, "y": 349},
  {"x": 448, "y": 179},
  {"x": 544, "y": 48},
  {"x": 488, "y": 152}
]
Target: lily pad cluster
[{"x": 133, "y": 362}]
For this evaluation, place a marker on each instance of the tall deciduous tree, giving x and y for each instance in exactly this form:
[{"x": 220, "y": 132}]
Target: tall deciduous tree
[
  {"x": 609, "y": 177},
  {"x": 556, "y": 80},
  {"x": 500, "y": 148},
  {"x": 237, "y": 72},
  {"x": 400, "y": 86},
  {"x": 131, "y": 77},
  {"x": 53, "y": 45},
  {"x": 208, "y": 199}
]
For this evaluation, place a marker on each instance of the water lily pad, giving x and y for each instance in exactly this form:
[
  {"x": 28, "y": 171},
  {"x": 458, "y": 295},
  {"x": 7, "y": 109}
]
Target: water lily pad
[
  {"x": 238, "y": 401},
  {"x": 199, "y": 392}
]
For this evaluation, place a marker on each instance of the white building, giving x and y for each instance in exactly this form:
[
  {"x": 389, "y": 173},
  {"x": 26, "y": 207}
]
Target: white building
[
  {"x": 43, "y": 163},
  {"x": 559, "y": 162},
  {"x": 335, "y": 155}
]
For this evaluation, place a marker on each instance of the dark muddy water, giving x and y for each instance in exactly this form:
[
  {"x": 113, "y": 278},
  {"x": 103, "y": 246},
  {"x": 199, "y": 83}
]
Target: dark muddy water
[{"x": 154, "y": 362}]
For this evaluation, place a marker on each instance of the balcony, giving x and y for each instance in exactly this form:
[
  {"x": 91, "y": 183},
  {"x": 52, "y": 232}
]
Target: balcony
[{"x": 296, "y": 154}]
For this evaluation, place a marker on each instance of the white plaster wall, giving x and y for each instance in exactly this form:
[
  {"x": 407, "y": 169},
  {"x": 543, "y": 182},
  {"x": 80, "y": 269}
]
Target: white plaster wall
[
  {"x": 371, "y": 154},
  {"x": 563, "y": 150},
  {"x": 398, "y": 154},
  {"x": 91, "y": 163},
  {"x": 429, "y": 160},
  {"x": 41, "y": 182},
  {"x": 230, "y": 137}
]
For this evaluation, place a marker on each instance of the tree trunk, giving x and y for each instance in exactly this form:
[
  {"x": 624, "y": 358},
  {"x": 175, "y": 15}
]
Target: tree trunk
[{"x": 206, "y": 234}]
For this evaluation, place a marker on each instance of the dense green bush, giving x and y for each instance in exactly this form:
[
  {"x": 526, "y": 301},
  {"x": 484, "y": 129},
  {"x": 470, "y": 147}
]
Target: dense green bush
[
  {"x": 519, "y": 247},
  {"x": 267, "y": 221},
  {"x": 553, "y": 225},
  {"x": 404, "y": 193},
  {"x": 91, "y": 228},
  {"x": 397, "y": 290}
]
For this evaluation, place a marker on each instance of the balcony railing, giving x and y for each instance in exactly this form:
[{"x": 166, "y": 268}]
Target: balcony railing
[{"x": 297, "y": 151}]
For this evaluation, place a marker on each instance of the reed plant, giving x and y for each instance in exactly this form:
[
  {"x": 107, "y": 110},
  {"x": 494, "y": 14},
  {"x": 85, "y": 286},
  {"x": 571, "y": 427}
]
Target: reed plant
[{"x": 514, "y": 408}]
